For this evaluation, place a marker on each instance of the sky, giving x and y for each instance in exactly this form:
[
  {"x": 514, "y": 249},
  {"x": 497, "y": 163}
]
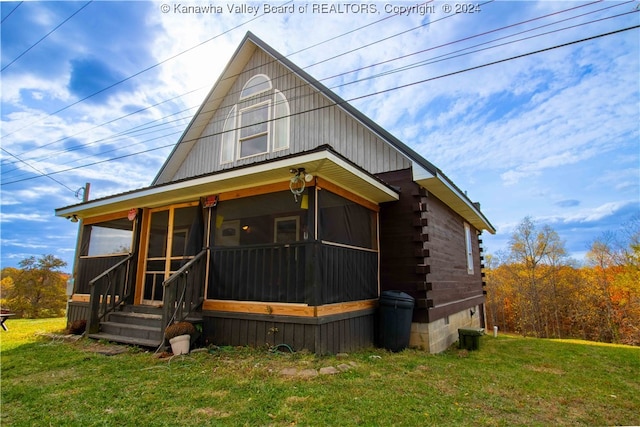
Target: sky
[{"x": 530, "y": 107}]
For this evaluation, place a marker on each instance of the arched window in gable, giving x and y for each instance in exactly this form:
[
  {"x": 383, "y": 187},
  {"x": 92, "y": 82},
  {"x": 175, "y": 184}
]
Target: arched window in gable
[
  {"x": 262, "y": 122},
  {"x": 256, "y": 84}
]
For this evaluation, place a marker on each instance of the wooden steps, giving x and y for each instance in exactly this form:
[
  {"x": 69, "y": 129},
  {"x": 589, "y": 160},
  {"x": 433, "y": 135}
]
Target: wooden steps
[{"x": 135, "y": 325}]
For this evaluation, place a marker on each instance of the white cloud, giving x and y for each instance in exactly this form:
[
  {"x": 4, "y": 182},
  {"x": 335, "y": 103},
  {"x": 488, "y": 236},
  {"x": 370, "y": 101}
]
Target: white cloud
[
  {"x": 519, "y": 123},
  {"x": 33, "y": 217},
  {"x": 593, "y": 214}
]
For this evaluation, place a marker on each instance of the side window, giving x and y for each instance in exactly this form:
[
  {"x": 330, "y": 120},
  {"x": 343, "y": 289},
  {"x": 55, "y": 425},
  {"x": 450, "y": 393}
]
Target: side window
[
  {"x": 468, "y": 247},
  {"x": 229, "y": 137},
  {"x": 107, "y": 238},
  {"x": 281, "y": 115}
]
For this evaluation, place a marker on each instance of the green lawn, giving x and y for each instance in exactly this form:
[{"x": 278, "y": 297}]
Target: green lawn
[{"x": 509, "y": 381}]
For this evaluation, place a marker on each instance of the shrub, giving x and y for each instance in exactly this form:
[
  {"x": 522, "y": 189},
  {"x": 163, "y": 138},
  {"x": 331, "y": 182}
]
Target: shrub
[
  {"x": 179, "y": 328},
  {"x": 77, "y": 327}
]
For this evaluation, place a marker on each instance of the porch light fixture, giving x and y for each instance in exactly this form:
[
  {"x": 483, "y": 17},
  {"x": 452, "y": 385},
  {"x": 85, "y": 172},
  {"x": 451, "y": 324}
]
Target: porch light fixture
[{"x": 73, "y": 218}]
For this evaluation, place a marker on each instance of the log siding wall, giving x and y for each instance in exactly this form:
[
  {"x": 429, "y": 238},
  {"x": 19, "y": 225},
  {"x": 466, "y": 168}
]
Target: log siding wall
[
  {"x": 314, "y": 122},
  {"x": 423, "y": 252}
]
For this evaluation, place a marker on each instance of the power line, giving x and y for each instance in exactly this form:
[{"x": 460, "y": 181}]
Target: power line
[
  {"x": 317, "y": 44},
  {"x": 191, "y": 48},
  {"x": 9, "y": 14},
  {"x": 450, "y": 55},
  {"x": 176, "y": 56},
  {"x": 104, "y": 124},
  {"x": 37, "y": 170},
  {"x": 46, "y": 35},
  {"x": 139, "y": 73},
  {"x": 345, "y": 102},
  {"x": 432, "y": 60}
]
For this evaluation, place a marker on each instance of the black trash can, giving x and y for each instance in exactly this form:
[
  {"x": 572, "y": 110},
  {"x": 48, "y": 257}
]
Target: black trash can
[
  {"x": 469, "y": 338},
  {"x": 396, "y": 312}
]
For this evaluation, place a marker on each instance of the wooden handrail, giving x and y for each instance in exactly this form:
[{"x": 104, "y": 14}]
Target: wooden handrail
[
  {"x": 184, "y": 290},
  {"x": 108, "y": 291}
]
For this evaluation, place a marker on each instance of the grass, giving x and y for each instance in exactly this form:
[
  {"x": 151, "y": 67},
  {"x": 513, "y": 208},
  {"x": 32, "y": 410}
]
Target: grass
[{"x": 510, "y": 381}]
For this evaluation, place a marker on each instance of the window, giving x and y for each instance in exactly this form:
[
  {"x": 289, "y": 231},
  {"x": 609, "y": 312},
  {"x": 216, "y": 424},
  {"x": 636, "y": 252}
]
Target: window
[
  {"x": 256, "y": 84},
  {"x": 281, "y": 121},
  {"x": 254, "y": 130},
  {"x": 108, "y": 238},
  {"x": 229, "y": 137},
  {"x": 259, "y": 220},
  {"x": 468, "y": 247},
  {"x": 286, "y": 229},
  {"x": 260, "y": 126}
]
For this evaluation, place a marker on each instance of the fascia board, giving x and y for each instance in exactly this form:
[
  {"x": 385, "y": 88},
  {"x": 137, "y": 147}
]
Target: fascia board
[
  {"x": 440, "y": 186},
  {"x": 229, "y": 181}
]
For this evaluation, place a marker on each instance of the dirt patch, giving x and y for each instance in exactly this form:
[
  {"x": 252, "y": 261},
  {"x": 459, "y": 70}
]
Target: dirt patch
[
  {"x": 211, "y": 412},
  {"x": 545, "y": 369},
  {"x": 106, "y": 349}
]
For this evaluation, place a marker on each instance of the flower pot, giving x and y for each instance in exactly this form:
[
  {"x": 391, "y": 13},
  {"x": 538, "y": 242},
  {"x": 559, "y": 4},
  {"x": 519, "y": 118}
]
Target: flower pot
[{"x": 180, "y": 344}]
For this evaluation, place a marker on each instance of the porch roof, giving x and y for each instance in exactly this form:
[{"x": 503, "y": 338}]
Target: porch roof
[{"x": 323, "y": 163}]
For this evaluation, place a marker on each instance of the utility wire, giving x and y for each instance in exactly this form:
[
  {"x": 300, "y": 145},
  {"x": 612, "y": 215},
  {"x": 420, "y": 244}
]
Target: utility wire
[
  {"x": 46, "y": 35},
  {"x": 193, "y": 47},
  {"x": 345, "y": 102},
  {"x": 466, "y": 51},
  {"x": 39, "y": 171},
  {"x": 425, "y": 62},
  {"x": 9, "y": 14},
  {"x": 317, "y": 44},
  {"x": 333, "y": 38},
  {"x": 140, "y": 72},
  {"x": 101, "y": 125}
]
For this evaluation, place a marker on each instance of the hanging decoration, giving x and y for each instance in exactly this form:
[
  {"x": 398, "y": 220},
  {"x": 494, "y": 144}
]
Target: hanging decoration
[{"x": 298, "y": 181}]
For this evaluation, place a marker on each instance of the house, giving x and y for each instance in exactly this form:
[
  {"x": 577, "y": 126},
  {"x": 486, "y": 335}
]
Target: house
[{"x": 280, "y": 216}]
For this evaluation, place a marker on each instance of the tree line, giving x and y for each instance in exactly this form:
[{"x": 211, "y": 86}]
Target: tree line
[{"x": 535, "y": 289}]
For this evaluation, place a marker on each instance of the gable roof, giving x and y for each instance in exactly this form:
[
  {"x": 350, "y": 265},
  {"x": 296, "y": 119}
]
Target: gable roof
[{"x": 424, "y": 172}]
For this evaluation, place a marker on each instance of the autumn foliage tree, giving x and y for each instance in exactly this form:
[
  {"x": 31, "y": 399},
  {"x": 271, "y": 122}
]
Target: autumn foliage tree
[
  {"x": 535, "y": 289},
  {"x": 36, "y": 289}
]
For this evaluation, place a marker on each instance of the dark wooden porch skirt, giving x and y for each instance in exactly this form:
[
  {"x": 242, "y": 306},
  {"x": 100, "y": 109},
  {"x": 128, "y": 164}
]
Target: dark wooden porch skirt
[
  {"x": 328, "y": 334},
  {"x": 331, "y": 334}
]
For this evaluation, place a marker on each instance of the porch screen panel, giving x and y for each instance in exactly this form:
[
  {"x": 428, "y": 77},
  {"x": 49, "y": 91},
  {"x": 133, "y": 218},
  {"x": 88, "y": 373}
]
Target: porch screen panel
[
  {"x": 347, "y": 274},
  {"x": 103, "y": 245},
  {"x": 346, "y": 222},
  {"x": 156, "y": 256},
  {"x": 348, "y": 256},
  {"x": 258, "y": 251}
]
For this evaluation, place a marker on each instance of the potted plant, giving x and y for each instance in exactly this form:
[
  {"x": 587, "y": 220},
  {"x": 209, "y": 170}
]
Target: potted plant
[{"x": 179, "y": 335}]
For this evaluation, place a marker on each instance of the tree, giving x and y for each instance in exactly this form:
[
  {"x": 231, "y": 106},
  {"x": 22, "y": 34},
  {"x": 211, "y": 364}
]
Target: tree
[
  {"x": 537, "y": 290},
  {"x": 536, "y": 255},
  {"x": 37, "y": 289},
  {"x": 615, "y": 260}
]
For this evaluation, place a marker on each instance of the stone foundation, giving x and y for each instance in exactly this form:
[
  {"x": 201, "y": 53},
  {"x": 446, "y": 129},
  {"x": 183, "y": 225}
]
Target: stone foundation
[{"x": 437, "y": 336}]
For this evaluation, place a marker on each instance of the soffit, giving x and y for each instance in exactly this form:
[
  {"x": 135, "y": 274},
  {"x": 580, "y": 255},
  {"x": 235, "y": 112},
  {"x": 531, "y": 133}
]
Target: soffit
[
  {"x": 444, "y": 191},
  {"x": 323, "y": 164}
]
